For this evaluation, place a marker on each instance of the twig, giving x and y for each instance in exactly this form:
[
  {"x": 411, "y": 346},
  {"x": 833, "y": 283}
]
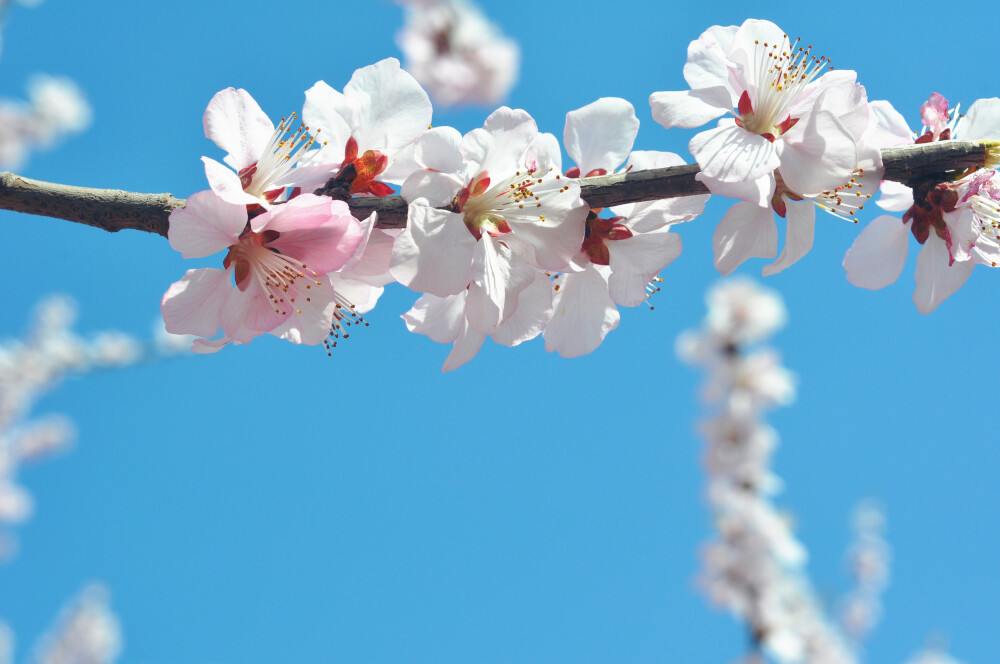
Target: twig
[{"x": 114, "y": 210}]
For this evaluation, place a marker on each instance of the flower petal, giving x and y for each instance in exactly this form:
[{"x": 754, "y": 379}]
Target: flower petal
[
  {"x": 982, "y": 122},
  {"x": 820, "y": 158},
  {"x": 583, "y": 314},
  {"x": 226, "y": 184},
  {"x": 326, "y": 109},
  {"x": 247, "y": 314},
  {"x": 690, "y": 108},
  {"x": 235, "y": 123},
  {"x": 434, "y": 253},
  {"x": 636, "y": 260},
  {"x": 440, "y": 318},
  {"x": 206, "y": 225},
  {"x": 311, "y": 313},
  {"x": 936, "y": 280},
  {"x": 732, "y": 154},
  {"x": 757, "y": 191},
  {"x": 878, "y": 254},
  {"x": 192, "y": 305},
  {"x": 896, "y": 197},
  {"x": 800, "y": 224},
  {"x": 601, "y": 134},
  {"x": 747, "y": 231},
  {"x": 533, "y": 312},
  {"x": 466, "y": 347}
]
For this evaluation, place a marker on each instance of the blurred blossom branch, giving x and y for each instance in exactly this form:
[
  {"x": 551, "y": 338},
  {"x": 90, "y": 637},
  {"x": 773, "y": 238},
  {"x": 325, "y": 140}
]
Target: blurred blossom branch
[
  {"x": 114, "y": 210},
  {"x": 86, "y": 632},
  {"x": 30, "y": 367}
]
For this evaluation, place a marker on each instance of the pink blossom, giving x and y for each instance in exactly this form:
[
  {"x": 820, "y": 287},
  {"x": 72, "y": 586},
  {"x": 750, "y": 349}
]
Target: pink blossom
[{"x": 274, "y": 277}]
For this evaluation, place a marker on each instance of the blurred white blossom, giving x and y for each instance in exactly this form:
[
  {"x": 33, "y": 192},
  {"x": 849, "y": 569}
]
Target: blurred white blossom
[
  {"x": 31, "y": 367},
  {"x": 86, "y": 632},
  {"x": 456, "y": 53},
  {"x": 756, "y": 566}
]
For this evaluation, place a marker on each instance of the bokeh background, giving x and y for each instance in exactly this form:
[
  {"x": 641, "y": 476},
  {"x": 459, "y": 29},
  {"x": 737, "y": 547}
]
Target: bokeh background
[{"x": 270, "y": 503}]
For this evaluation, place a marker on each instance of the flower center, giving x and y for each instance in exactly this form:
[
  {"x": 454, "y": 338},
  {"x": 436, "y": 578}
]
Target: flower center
[
  {"x": 488, "y": 207},
  {"x": 278, "y": 275},
  {"x": 283, "y": 152},
  {"x": 782, "y": 72}
]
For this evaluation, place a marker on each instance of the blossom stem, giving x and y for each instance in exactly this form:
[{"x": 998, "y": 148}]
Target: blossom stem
[{"x": 114, "y": 210}]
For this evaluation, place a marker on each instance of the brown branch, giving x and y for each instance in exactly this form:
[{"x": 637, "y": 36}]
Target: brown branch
[{"x": 114, "y": 210}]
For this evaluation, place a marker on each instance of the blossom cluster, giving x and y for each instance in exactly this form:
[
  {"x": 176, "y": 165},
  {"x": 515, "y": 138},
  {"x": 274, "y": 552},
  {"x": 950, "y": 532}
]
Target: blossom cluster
[
  {"x": 499, "y": 241},
  {"x": 86, "y": 632},
  {"x": 30, "y": 367}
]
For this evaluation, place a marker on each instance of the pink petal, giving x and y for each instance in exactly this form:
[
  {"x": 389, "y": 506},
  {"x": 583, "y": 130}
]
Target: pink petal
[
  {"x": 747, "y": 231},
  {"x": 192, "y": 305},
  {"x": 248, "y": 314},
  {"x": 801, "y": 220},
  {"x": 311, "y": 313},
  {"x": 235, "y": 123},
  {"x": 582, "y": 316},
  {"x": 878, "y": 254},
  {"x": 209, "y": 346},
  {"x": 600, "y": 135},
  {"x": 206, "y": 225},
  {"x": 314, "y": 230}
]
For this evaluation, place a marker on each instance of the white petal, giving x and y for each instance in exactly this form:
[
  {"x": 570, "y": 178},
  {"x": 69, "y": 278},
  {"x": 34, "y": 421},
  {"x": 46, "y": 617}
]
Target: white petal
[
  {"x": 707, "y": 62},
  {"x": 733, "y": 154},
  {"x": 226, "y": 184},
  {"x": 534, "y": 309},
  {"x": 896, "y": 197},
  {"x": 325, "y": 109},
  {"x": 466, "y": 346},
  {"x": 890, "y": 128},
  {"x": 235, "y": 123},
  {"x": 440, "y": 318},
  {"x": 438, "y": 189},
  {"x": 206, "y": 225},
  {"x": 434, "y": 253},
  {"x": 690, "y": 108},
  {"x": 582, "y": 316},
  {"x": 801, "y": 219},
  {"x": 747, "y": 231},
  {"x": 636, "y": 260},
  {"x": 600, "y": 135},
  {"x": 757, "y": 191},
  {"x": 438, "y": 150},
  {"x": 982, "y": 122},
  {"x": 820, "y": 157},
  {"x": 878, "y": 254},
  {"x": 192, "y": 305},
  {"x": 554, "y": 241},
  {"x": 512, "y": 132},
  {"x": 936, "y": 280},
  {"x": 391, "y": 108}
]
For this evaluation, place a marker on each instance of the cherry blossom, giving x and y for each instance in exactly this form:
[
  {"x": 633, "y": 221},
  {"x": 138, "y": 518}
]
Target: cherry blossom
[
  {"x": 954, "y": 221},
  {"x": 794, "y": 135},
  {"x": 278, "y": 263},
  {"x": 507, "y": 215},
  {"x": 368, "y": 130},
  {"x": 263, "y": 158},
  {"x": 457, "y": 53},
  {"x": 622, "y": 254}
]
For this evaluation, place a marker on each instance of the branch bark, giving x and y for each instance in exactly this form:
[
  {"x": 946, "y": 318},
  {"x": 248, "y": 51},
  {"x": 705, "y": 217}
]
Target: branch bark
[{"x": 114, "y": 210}]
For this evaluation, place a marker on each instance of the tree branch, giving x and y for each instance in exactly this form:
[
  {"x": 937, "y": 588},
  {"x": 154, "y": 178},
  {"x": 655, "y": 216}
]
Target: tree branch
[{"x": 114, "y": 210}]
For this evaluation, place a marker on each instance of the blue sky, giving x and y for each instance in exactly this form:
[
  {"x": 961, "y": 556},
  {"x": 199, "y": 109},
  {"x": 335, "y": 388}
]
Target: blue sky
[{"x": 272, "y": 504}]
